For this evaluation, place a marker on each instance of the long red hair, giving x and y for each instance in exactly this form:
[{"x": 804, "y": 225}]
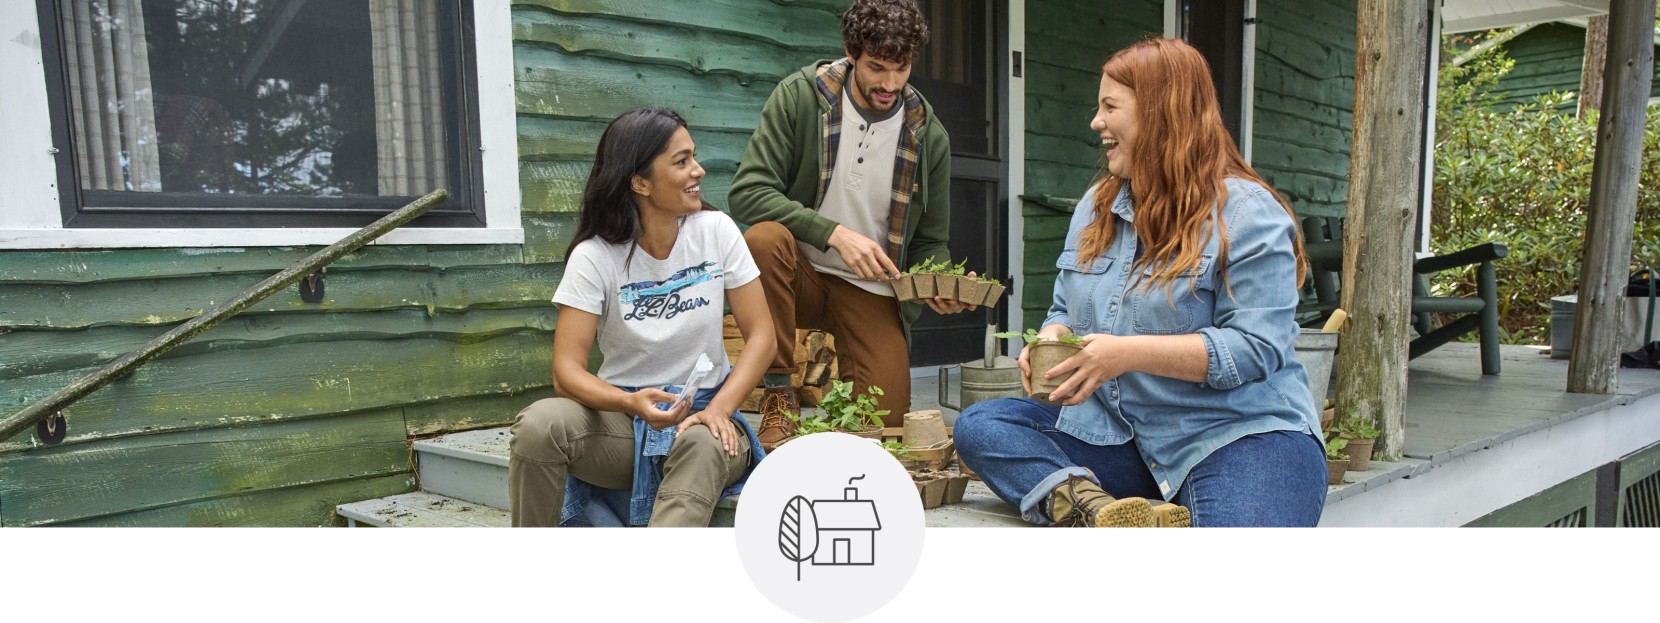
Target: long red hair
[{"x": 1180, "y": 163}]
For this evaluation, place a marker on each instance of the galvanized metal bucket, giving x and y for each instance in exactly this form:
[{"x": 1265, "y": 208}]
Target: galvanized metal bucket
[{"x": 1316, "y": 350}]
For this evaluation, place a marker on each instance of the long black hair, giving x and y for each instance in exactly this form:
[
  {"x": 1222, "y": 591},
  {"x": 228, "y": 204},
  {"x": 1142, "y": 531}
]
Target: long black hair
[{"x": 627, "y": 148}]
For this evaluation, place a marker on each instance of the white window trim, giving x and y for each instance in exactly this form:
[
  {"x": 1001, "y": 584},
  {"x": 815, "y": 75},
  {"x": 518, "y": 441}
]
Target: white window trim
[
  {"x": 1016, "y": 159},
  {"x": 31, "y": 216}
]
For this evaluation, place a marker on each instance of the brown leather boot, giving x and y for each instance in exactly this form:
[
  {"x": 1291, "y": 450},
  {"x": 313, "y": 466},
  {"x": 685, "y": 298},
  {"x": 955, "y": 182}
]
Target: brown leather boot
[
  {"x": 1081, "y": 503},
  {"x": 778, "y": 404}
]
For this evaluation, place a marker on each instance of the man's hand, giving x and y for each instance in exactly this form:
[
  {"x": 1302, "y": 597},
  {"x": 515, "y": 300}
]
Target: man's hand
[
  {"x": 644, "y": 403},
  {"x": 720, "y": 425},
  {"x": 863, "y": 256}
]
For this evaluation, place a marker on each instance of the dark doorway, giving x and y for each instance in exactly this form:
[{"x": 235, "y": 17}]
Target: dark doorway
[
  {"x": 1217, "y": 29},
  {"x": 961, "y": 73}
]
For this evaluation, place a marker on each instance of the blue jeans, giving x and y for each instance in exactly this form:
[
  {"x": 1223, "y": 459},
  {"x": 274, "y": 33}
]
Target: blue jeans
[{"x": 1268, "y": 479}]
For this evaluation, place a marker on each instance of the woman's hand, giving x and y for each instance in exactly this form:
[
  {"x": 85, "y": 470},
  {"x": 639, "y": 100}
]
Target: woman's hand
[
  {"x": 1103, "y": 358},
  {"x": 643, "y": 403},
  {"x": 720, "y": 425},
  {"x": 1051, "y": 332}
]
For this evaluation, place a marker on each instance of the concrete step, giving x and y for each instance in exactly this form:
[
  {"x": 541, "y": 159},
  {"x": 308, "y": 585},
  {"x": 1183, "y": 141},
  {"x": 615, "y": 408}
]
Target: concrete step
[{"x": 422, "y": 510}]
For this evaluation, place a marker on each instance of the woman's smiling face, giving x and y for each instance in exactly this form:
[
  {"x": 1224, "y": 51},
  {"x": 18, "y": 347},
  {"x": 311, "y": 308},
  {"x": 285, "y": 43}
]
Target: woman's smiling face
[
  {"x": 676, "y": 184},
  {"x": 1115, "y": 122}
]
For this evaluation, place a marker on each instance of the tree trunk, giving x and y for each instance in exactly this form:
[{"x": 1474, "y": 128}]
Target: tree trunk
[
  {"x": 1385, "y": 178},
  {"x": 1590, "y": 71},
  {"x": 1593, "y": 367}
]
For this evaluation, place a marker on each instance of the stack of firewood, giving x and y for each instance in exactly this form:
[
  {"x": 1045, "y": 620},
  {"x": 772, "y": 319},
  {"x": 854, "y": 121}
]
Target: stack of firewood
[{"x": 815, "y": 360}]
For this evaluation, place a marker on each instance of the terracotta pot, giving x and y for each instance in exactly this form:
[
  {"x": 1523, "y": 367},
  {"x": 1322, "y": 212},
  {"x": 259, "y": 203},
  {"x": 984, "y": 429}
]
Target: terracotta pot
[
  {"x": 1334, "y": 471},
  {"x": 993, "y": 293},
  {"x": 925, "y": 286},
  {"x": 904, "y": 287},
  {"x": 1047, "y": 354},
  {"x": 945, "y": 286},
  {"x": 1360, "y": 453},
  {"x": 972, "y": 291}
]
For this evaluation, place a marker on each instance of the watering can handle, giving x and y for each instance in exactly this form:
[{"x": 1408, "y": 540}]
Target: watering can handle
[{"x": 945, "y": 377}]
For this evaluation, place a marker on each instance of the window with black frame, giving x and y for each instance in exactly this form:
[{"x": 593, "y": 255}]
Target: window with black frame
[{"x": 260, "y": 113}]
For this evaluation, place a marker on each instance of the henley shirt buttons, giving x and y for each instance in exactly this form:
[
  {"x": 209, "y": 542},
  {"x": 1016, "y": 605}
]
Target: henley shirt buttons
[{"x": 861, "y": 161}]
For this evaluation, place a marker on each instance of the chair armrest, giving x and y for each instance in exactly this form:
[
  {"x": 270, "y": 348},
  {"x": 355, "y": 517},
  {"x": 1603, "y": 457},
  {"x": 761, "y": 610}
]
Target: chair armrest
[
  {"x": 1318, "y": 253},
  {"x": 1473, "y": 255}
]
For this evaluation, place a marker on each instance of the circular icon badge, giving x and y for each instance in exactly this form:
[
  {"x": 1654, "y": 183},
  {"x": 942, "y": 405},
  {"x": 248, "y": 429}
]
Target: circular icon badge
[{"x": 829, "y": 527}]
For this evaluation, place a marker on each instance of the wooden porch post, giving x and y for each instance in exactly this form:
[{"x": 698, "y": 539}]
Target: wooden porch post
[
  {"x": 1385, "y": 178},
  {"x": 1594, "y": 364}
]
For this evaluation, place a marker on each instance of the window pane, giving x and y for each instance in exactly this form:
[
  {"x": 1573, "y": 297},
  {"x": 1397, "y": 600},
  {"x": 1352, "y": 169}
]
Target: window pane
[
  {"x": 319, "y": 98},
  {"x": 954, "y": 72}
]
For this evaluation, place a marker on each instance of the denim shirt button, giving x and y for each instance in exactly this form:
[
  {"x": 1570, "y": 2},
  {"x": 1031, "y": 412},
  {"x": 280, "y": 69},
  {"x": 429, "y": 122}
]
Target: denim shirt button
[
  {"x": 1153, "y": 465},
  {"x": 1115, "y": 393}
]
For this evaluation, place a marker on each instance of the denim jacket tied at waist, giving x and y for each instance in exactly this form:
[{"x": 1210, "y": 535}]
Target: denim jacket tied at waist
[{"x": 651, "y": 448}]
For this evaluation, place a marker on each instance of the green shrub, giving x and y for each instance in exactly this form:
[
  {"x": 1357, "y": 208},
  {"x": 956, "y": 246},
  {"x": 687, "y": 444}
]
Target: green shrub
[{"x": 1523, "y": 177}]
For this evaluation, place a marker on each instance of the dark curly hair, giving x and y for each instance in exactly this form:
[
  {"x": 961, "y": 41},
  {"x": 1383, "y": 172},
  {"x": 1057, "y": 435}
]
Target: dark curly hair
[{"x": 891, "y": 30}]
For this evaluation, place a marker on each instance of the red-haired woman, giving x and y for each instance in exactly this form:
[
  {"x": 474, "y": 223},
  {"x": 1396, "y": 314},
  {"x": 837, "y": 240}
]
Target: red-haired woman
[{"x": 1180, "y": 271}]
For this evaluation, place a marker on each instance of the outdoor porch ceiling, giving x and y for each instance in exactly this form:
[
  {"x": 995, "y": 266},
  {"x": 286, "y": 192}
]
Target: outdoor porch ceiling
[{"x": 1470, "y": 15}]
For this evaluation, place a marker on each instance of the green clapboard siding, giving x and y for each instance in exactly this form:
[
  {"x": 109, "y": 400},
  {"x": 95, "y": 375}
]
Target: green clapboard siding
[
  {"x": 154, "y": 471},
  {"x": 1067, "y": 41},
  {"x": 291, "y": 408},
  {"x": 1549, "y": 57},
  {"x": 1304, "y": 104}
]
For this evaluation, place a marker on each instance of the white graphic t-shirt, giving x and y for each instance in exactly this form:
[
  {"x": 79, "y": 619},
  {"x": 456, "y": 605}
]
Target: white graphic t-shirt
[{"x": 659, "y": 315}]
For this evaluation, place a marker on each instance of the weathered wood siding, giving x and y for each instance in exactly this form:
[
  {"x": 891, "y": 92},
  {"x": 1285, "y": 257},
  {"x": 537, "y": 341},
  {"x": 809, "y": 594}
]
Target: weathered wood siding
[
  {"x": 1548, "y": 58},
  {"x": 291, "y": 408},
  {"x": 1066, "y": 43},
  {"x": 1305, "y": 70}
]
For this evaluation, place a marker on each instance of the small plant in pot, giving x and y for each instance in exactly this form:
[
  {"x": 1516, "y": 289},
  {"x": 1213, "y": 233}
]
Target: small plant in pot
[
  {"x": 1337, "y": 462},
  {"x": 1046, "y": 353},
  {"x": 923, "y": 276},
  {"x": 1361, "y": 435},
  {"x": 839, "y": 410},
  {"x": 979, "y": 290}
]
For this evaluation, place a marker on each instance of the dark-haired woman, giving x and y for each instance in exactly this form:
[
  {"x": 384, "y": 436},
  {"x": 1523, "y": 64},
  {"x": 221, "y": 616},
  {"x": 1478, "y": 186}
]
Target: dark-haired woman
[
  {"x": 647, "y": 275},
  {"x": 1180, "y": 271}
]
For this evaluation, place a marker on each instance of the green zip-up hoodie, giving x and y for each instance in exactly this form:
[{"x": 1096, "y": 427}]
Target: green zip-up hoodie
[{"x": 787, "y": 165}]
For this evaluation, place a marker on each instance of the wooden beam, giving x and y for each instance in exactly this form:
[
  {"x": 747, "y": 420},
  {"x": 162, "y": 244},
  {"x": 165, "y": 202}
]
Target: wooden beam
[
  {"x": 1385, "y": 173},
  {"x": 1590, "y": 71},
  {"x": 1593, "y": 367}
]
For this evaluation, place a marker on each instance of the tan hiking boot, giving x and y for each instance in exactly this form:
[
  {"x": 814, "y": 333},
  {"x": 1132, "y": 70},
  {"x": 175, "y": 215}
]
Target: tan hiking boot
[
  {"x": 777, "y": 405},
  {"x": 1081, "y": 503},
  {"x": 1167, "y": 515}
]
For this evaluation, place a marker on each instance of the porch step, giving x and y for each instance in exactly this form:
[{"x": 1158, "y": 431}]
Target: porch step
[{"x": 422, "y": 510}]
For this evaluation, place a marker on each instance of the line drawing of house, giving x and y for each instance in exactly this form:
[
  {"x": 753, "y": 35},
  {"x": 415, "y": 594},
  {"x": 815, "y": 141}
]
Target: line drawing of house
[{"x": 846, "y": 529}]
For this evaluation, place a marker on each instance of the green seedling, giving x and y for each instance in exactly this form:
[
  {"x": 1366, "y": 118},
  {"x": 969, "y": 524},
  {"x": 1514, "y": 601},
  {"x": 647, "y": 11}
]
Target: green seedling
[{"x": 1031, "y": 336}]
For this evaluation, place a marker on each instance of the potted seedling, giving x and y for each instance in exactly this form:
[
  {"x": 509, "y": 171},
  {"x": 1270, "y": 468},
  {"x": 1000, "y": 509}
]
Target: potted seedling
[
  {"x": 924, "y": 276},
  {"x": 1336, "y": 461},
  {"x": 1045, "y": 354},
  {"x": 948, "y": 279},
  {"x": 839, "y": 410},
  {"x": 979, "y": 290},
  {"x": 904, "y": 286},
  {"x": 1361, "y": 435}
]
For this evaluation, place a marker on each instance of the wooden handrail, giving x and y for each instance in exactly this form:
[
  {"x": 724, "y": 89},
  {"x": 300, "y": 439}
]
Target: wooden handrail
[{"x": 51, "y": 405}]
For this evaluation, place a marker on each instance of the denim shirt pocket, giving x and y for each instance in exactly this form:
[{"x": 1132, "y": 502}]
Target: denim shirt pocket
[
  {"x": 1078, "y": 283},
  {"x": 1157, "y": 311}
]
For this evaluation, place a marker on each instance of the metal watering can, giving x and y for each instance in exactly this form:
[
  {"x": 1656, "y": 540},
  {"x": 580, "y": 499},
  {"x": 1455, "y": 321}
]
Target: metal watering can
[{"x": 996, "y": 376}]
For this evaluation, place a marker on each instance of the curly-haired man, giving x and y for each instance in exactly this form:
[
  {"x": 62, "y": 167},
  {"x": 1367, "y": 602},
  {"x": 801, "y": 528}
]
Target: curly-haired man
[{"x": 845, "y": 180}]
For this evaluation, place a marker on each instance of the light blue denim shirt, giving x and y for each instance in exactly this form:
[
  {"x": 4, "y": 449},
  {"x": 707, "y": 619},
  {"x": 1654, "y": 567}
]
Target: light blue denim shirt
[
  {"x": 1254, "y": 384},
  {"x": 651, "y": 449}
]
